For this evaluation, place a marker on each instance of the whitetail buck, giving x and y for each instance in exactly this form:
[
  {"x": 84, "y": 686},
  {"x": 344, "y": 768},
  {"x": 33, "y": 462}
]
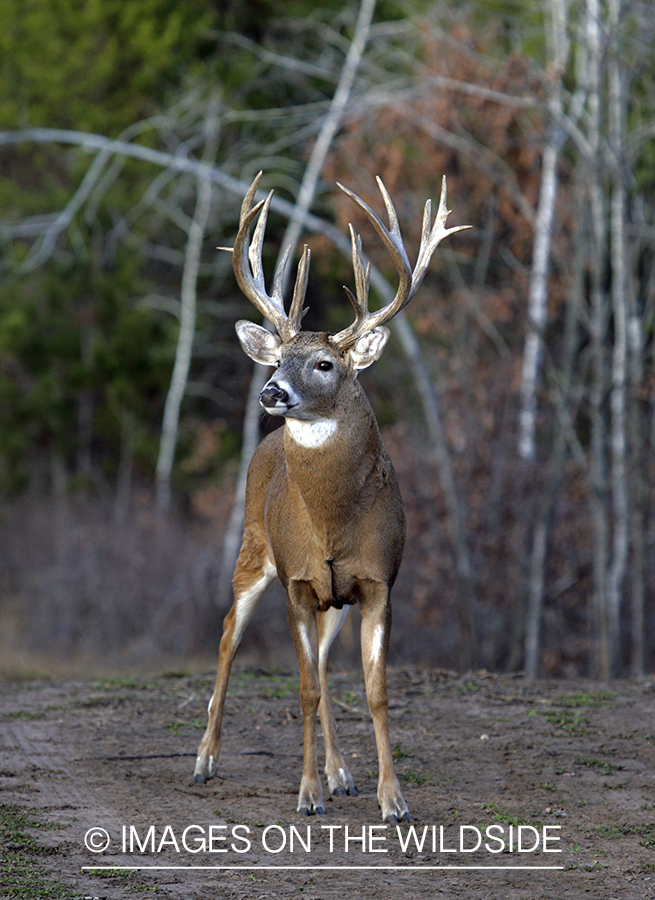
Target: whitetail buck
[{"x": 323, "y": 507}]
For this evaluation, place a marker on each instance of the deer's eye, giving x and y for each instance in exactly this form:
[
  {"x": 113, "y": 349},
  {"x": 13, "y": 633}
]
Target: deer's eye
[{"x": 324, "y": 365}]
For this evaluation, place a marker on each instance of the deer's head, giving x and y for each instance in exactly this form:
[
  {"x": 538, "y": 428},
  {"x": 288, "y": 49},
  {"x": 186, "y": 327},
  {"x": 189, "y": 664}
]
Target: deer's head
[{"x": 312, "y": 367}]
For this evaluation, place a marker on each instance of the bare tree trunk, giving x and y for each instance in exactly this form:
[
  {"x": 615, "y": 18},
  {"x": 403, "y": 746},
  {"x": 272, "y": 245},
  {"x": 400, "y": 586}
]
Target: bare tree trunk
[
  {"x": 186, "y": 333},
  {"x": 304, "y": 200},
  {"x": 550, "y": 493},
  {"x": 538, "y": 299},
  {"x": 619, "y": 491},
  {"x": 535, "y": 594},
  {"x": 538, "y": 294},
  {"x": 598, "y": 327},
  {"x": 640, "y": 422},
  {"x": 558, "y": 44},
  {"x": 638, "y": 496}
]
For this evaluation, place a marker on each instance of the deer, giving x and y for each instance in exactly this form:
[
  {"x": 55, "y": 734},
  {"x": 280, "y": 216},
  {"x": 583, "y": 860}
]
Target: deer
[{"x": 323, "y": 509}]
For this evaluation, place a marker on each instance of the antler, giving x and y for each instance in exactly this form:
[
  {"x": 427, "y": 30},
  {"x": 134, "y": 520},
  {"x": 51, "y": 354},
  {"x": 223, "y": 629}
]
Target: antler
[
  {"x": 431, "y": 237},
  {"x": 249, "y": 270}
]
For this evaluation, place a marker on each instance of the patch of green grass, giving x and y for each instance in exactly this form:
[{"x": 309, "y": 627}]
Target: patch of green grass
[
  {"x": 610, "y": 832},
  {"x": 502, "y": 815},
  {"x": 613, "y": 832},
  {"x": 281, "y": 687},
  {"x": 22, "y": 873},
  {"x": 415, "y": 777},
  {"x": 278, "y": 693},
  {"x": 229, "y": 816},
  {"x": 573, "y": 723},
  {"x": 647, "y": 833},
  {"x": 116, "y": 682},
  {"x": 179, "y": 726},
  {"x": 25, "y": 715},
  {"x": 399, "y": 753},
  {"x": 576, "y": 701},
  {"x": 569, "y": 717},
  {"x": 269, "y": 685},
  {"x": 408, "y": 775},
  {"x": 603, "y": 768},
  {"x": 350, "y": 697}
]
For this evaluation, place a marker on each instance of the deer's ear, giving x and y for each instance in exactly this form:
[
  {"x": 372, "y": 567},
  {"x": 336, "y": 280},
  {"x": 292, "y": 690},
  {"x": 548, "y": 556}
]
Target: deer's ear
[
  {"x": 369, "y": 347},
  {"x": 259, "y": 343}
]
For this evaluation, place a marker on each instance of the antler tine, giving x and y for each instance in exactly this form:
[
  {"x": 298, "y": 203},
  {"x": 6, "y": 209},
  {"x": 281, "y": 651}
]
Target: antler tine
[
  {"x": 296, "y": 311},
  {"x": 359, "y": 300},
  {"x": 362, "y": 272},
  {"x": 431, "y": 236},
  {"x": 392, "y": 239},
  {"x": 256, "y": 248},
  {"x": 249, "y": 270}
]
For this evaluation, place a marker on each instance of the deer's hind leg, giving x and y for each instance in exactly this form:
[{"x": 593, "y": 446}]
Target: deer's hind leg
[
  {"x": 253, "y": 573},
  {"x": 339, "y": 779}
]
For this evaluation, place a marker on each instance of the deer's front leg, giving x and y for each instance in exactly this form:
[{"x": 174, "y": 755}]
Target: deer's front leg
[
  {"x": 249, "y": 587},
  {"x": 301, "y": 603},
  {"x": 376, "y": 626}
]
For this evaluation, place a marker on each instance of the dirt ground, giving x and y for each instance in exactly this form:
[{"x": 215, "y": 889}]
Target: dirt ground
[{"x": 490, "y": 761}]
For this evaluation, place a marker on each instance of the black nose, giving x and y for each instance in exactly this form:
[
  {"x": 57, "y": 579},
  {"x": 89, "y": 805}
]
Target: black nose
[{"x": 272, "y": 395}]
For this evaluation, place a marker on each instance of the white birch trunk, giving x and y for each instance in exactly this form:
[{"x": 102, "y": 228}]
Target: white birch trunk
[
  {"x": 598, "y": 329},
  {"x": 637, "y": 427},
  {"x": 619, "y": 492},
  {"x": 537, "y": 301},
  {"x": 558, "y": 44},
  {"x": 538, "y": 292},
  {"x": 186, "y": 334}
]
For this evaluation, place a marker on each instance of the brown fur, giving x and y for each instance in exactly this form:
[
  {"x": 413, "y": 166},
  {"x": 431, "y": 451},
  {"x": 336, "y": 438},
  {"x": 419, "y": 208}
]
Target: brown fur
[{"x": 323, "y": 508}]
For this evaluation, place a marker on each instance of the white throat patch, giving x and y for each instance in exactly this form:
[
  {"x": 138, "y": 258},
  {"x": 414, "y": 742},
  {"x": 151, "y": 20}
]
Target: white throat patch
[{"x": 311, "y": 434}]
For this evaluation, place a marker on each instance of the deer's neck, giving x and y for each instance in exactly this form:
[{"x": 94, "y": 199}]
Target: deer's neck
[
  {"x": 312, "y": 435},
  {"x": 331, "y": 461}
]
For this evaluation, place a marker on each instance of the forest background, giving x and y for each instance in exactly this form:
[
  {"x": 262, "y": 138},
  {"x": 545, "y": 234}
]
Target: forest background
[{"x": 516, "y": 398}]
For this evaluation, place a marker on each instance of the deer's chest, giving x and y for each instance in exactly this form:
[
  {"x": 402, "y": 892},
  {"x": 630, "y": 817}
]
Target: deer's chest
[{"x": 334, "y": 540}]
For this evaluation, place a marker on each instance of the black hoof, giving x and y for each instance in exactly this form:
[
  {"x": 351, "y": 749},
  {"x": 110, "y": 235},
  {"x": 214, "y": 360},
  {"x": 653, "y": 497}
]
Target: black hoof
[
  {"x": 394, "y": 820},
  {"x": 307, "y": 811}
]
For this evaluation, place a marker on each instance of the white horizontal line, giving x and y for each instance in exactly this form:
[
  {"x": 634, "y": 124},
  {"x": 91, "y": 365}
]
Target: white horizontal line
[{"x": 380, "y": 867}]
